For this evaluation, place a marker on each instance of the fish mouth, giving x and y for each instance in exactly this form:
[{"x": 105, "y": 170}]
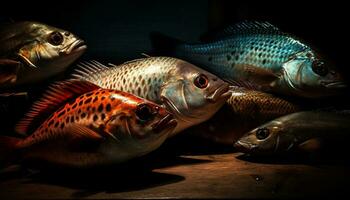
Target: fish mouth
[
  {"x": 244, "y": 146},
  {"x": 334, "y": 84},
  {"x": 167, "y": 122},
  {"x": 177, "y": 113},
  {"x": 223, "y": 92},
  {"x": 77, "y": 46}
]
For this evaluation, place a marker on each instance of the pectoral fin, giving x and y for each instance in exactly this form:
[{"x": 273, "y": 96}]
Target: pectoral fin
[
  {"x": 8, "y": 70},
  {"x": 310, "y": 145},
  {"x": 84, "y": 132}
]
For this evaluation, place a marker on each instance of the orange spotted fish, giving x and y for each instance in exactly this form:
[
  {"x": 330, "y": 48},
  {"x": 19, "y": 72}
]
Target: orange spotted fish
[
  {"x": 92, "y": 126},
  {"x": 192, "y": 94}
]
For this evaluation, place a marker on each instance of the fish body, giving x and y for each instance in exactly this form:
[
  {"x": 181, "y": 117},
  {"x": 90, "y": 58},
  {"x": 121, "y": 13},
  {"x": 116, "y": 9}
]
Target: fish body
[
  {"x": 32, "y": 51},
  {"x": 259, "y": 56},
  {"x": 308, "y": 131},
  {"x": 244, "y": 110},
  {"x": 190, "y": 93},
  {"x": 99, "y": 127}
]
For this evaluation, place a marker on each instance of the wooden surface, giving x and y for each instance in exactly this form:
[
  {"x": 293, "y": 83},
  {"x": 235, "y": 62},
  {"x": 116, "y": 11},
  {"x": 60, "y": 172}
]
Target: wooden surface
[{"x": 224, "y": 175}]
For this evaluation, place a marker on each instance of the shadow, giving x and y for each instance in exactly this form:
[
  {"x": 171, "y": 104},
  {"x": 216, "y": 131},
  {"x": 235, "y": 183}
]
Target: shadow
[
  {"x": 134, "y": 175},
  {"x": 90, "y": 182}
]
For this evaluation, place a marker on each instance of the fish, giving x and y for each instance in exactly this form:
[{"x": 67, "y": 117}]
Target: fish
[
  {"x": 300, "y": 132},
  {"x": 191, "y": 94},
  {"x": 89, "y": 127},
  {"x": 259, "y": 56},
  {"x": 243, "y": 111},
  {"x": 33, "y": 51}
]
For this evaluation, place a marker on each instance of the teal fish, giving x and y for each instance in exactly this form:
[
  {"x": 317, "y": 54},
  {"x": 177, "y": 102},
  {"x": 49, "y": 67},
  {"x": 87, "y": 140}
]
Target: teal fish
[{"x": 260, "y": 56}]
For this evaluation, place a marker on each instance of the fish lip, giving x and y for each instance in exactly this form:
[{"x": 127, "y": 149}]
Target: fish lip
[
  {"x": 166, "y": 122},
  {"x": 334, "y": 84},
  {"x": 76, "y": 46},
  {"x": 223, "y": 92},
  {"x": 244, "y": 146}
]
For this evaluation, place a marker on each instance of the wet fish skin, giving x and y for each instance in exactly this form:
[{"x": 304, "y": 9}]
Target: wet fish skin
[
  {"x": 171, "y": 82},
  {"x": 308, "y": 131},
  {"x": 244, "y": 110},
  {"x": 40, "y": 50},
  {"x": 260, "y": 56},
  {"x": 99, "y": 127}
]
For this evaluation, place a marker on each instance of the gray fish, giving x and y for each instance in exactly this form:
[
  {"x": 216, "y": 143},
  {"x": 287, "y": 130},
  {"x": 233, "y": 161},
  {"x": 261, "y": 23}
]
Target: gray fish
[
  {"x": 190, "y": 93},
  {"x": 32, "y": 51},
  {"x": 260, "y": 56},
  {"x": 308, "y": 131}
]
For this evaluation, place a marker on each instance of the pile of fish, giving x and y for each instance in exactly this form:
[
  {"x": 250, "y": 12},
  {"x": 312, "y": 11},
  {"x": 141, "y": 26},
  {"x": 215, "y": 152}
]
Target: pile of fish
[{"x": 245, "y": 76}]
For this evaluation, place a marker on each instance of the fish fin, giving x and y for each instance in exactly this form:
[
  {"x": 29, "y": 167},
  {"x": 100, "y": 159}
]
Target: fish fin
[
  {"x": 310, "y": 145},
  {"x": 243, "y": 84},
  {"x": 146, "y": 55},
  {"x": 246, "y": 28},
  {"x": 163, "y": 44},
  {"x": 8, "y": 147},
  {"x": 27, "y": 61},
  {"x": 8, "y": 70},
  {"x": 56, "y": 96},
  {"x": 83, "y": 131},
  {"x": 87, "y": 69}
]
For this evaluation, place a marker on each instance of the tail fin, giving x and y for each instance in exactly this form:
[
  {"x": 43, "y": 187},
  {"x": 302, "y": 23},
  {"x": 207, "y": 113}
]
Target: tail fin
[
  {"x": 8, "y": 147},
  {"x": 164, "y": 45}
]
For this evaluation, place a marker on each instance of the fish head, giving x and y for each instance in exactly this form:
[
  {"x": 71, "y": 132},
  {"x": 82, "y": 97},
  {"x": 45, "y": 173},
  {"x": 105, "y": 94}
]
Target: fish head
[
  {"x": 140, "y": 124},
  {"x": 309, "y": 76},
  {"x": 269, "y": 138},
  {"x": 193, "y": 95},
  {"x": 50, "y": 48}
]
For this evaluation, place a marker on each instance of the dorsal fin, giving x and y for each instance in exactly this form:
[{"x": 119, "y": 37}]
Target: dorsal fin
[
  {"x": 88, "y": 68},
  {"x": 247, "y": 28},
  {"x": 56, "y": 96}
]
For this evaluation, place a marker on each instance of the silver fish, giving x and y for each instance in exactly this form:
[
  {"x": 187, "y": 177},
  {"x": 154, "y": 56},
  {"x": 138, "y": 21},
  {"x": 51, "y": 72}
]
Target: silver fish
[
  {"x": 259, "y": 56},
  {"x": 302, "y": 131},
  {"x": 32, "y": 51},
  {"x": 190, "y": 93}
]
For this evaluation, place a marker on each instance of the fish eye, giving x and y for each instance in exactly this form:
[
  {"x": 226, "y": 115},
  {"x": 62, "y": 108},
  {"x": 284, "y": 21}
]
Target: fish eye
[
  {"x": 319, "y": 68},
  {"x": 262, "y": 133},
  {"x": 55, "y": 38},
  {"x": 144, "y": 112},
  {"x": 201, "y": 81}
]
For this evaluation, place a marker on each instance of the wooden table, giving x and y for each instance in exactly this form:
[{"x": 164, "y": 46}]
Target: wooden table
[{"x": 203, "y": 173}]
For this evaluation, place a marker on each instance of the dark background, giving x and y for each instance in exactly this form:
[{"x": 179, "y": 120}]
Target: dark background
[{"x": 119, "y": 30}]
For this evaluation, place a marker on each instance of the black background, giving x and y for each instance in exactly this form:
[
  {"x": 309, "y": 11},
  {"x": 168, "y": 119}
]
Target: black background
[{"x": 119, "y": 30}]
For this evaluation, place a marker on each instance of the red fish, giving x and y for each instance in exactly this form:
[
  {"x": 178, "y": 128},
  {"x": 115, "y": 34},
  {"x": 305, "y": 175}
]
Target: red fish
[{"x": 92, "y": 126}]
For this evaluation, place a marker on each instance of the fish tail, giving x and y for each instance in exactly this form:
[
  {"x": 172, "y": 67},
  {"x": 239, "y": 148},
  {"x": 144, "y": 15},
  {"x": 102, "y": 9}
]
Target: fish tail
[
  {"x": 164, "y": 45},
  {"x": 8, "y": 149}
]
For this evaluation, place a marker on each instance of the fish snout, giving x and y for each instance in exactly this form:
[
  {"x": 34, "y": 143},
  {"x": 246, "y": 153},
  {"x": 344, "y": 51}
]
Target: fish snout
[
  {"x": 167, "y": 122},
  {"x": 243, "y": 146},
  {"x": 223, "y": 92}
]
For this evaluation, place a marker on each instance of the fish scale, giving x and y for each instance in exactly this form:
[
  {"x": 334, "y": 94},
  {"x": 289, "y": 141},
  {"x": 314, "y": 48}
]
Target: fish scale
[
  {"x": 257, "y": 55},
  {"x": 88, "y": 126},
  {"x": 171, "y": 82}
]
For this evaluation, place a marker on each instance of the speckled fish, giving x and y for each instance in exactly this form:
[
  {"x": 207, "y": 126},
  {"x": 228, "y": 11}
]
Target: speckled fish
[
  {"x": 190, "y": 93},
  {"x": 260, "y": 56},
  {"x": 244, "y": 110},
  {"x": 32, "y": 51},
  {"x": 308, "y": 131},
  {"x": 97, "y": 127}
]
